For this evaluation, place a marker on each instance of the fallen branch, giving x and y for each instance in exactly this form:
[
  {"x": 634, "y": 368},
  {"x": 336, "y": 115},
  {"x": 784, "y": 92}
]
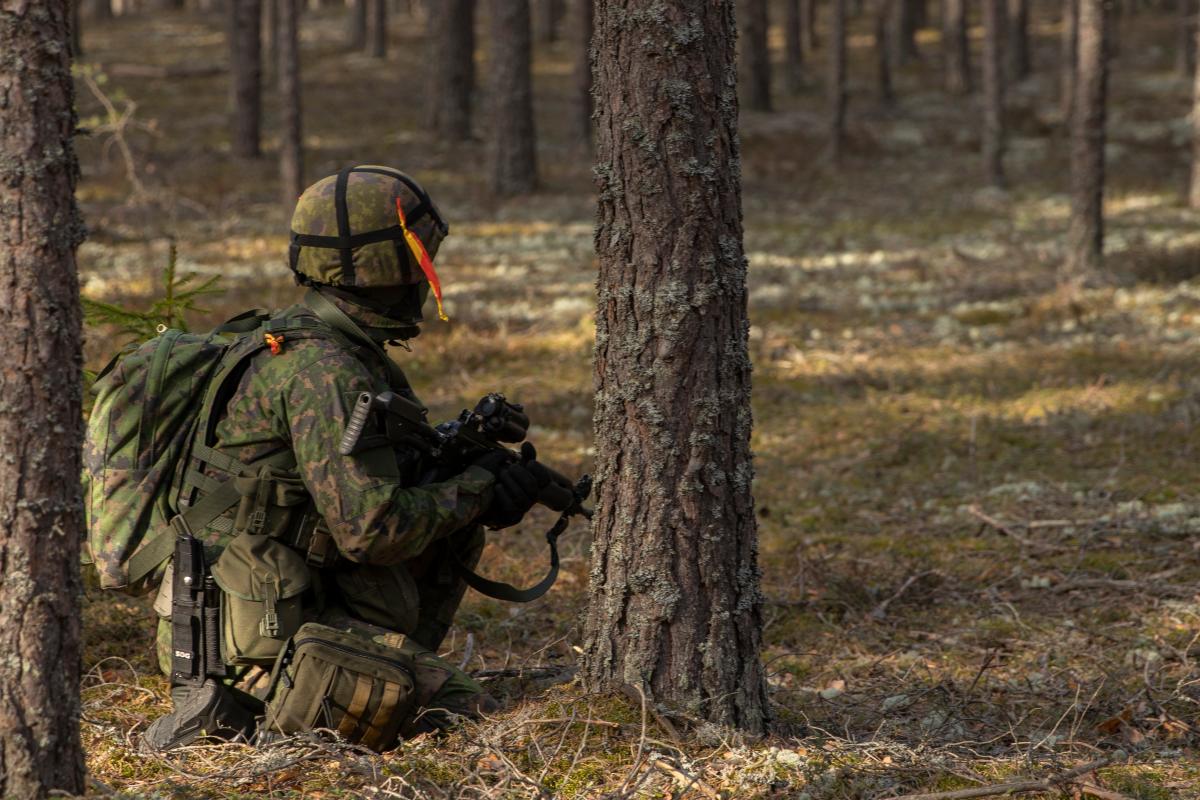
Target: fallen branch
[
  {"x": 686, "y": 781},
  {"x": 1052, "y": 784},
  {"x": 1008, "y": 531},
  {"x": 880, "y": 611},
  {"x": 1159, "y": 590}
]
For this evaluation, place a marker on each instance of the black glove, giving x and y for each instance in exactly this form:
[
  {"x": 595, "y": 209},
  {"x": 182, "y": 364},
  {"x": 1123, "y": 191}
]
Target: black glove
[{"x": 518, "y": 484}]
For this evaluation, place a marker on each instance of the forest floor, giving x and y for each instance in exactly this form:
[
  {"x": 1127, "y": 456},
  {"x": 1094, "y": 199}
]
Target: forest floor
[{"x": 978, "y": 497}]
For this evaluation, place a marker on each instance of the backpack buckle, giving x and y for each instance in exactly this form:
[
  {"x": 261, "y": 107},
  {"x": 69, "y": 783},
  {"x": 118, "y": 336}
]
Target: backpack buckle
[{"x": 258, "y": 520}]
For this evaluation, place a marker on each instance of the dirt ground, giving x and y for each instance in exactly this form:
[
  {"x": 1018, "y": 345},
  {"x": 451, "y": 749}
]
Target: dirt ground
[{"x": 978, "y": 496}]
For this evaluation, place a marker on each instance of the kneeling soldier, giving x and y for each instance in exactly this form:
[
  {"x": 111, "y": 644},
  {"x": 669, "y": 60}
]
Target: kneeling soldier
[{"x": 312, "y": 589}]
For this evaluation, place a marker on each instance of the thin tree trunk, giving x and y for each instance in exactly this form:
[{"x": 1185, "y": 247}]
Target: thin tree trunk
[
  {"x": 883, "y": 56},
  {"x": 808, "y": 10},
  {"x": 1194, "y": 187},
  {"x": 512, "y": 141},
  {"x": 993, "y": 92},
  {"x": 41, "y": 417},
  {"x": 545, "y": 19},
  {"x": 1185, "y": 49},
  {"x": 378, "y": 27},
  {"x": 245, "y": 60},
  {"x": 1068, "y": 57},
  {"x": 356, "y": 26},
  {"x": 956, "y": 51},
  {"x": 291, "y": 142},
  {"x": 837, "y": 79},
  {"x": 1085, "y": 235},
  {"x": 452, "y": 69},
  {"x": 76, "y": 28},
  {"x": 755, "y": 55},
  {"x": 270, "y": 35},
  {"x": 584, "y": 26},
  {"x": 920, "y": 14},
  {"x": 101, "y": 9},
  {"x": 1017, "y": 41},
  {"x": 793, "y": 46},
  {"x": 904, "y": 32},
  {"x": 676, "y": 608}
]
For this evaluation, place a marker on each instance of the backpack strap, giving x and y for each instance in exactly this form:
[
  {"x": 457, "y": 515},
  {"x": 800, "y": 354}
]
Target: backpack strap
[{"x": 337, "y": 319}]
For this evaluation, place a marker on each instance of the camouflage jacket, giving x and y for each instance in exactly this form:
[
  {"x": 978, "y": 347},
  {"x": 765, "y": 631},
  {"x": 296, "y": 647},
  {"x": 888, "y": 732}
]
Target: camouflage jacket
[{"x": 300, "y": 399}]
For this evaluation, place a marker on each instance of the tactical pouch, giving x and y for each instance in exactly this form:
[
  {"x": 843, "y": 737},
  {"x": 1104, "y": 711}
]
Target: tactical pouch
[
  {"x": 329, "y": 678},
  {"x": 262, "y": 580},
  {"x": 270, "y": 502}
]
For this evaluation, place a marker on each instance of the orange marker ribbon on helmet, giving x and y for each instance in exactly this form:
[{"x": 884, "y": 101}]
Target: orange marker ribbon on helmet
[{"x": 422, "y": 256}]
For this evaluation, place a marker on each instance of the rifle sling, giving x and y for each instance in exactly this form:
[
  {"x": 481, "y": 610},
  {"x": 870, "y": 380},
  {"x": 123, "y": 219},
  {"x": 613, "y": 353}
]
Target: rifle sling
[{"x": 506, "y": 591}]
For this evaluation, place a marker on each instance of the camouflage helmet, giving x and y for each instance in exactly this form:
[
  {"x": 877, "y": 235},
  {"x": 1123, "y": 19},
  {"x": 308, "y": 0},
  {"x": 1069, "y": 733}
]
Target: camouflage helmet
[{"x": 367, "y": 228}]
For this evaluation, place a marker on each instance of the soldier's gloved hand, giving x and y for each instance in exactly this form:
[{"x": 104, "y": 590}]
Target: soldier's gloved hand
[{"x": 518, "y": 484}]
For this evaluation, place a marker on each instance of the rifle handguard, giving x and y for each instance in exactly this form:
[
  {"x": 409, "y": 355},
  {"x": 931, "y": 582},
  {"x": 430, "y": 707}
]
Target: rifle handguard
[{"x": 559, "y": 494}]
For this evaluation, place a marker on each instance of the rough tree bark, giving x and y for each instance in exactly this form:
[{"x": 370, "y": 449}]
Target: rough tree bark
[
  {"x": 836, "y": 88},
  {"x": 291, "y": 142},
  {"x": 377, "y": 27},
  {"x": 956, "y": 50},
  {"x": 1194, "y": 185},
  {"x": 676, "y": 608},
  {"x": 1085, "y": 234},
  {"x": 1016, "y": 41},
  {"x": 452, "y": 69},
  {"x": 993, "y": 92},
  {"x": 584, "y": 25},
  {"x": 754, "y": 54},
  {"x": 245, "y": 76},
  {"x": 512, "y": 140},
  {"x": 793, "y": 46},
  {"x": 883, "y": 55},
  {"x": 41, "y": 508},
  {"x": 1068, "y": 57}
]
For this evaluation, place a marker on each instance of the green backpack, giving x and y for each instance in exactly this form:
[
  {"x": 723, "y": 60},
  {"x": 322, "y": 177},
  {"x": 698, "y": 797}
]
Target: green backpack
[{"x": 154, "y": 407}]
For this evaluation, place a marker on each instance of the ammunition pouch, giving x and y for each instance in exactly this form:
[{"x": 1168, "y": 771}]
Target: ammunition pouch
[
  {"x": 342, "y": 681},
  {"x": 262, "y": 581}
]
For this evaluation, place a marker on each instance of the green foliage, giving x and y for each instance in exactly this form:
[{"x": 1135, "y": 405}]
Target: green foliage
[{"x": 180, "y": 293}]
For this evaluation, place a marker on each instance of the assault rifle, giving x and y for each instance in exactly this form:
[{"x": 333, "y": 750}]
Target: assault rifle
[{"x": 493, "y": 423}]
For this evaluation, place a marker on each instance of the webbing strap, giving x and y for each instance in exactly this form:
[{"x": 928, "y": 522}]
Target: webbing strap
[
  {"x": 358, "y": 704},
  {"x": 337, "y": 319},
  {"x": 506, "y": 591},
  {"x": 388, "y": 701},
  {"x": 222, "y": 461},
  {"x": 345, "y": 249},
  {"x": 156, "y": 550}
]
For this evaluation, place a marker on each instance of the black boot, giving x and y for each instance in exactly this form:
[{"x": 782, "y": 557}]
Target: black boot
[{"x": 208, "y": 711}]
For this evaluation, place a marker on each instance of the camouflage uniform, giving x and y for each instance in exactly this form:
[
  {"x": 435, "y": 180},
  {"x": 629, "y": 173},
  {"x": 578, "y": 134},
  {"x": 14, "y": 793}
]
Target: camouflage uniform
[{"x": 395, "y": 533}]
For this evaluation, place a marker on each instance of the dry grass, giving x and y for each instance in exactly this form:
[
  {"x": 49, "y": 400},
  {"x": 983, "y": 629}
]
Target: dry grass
[{"x": 977, "y": 497}]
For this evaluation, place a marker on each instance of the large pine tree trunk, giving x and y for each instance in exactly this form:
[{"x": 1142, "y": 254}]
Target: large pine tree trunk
[
  {"x": 512, "y": 141},
  {"x": 1085, "y": 234},
  {"x": 1068, "y": 57},
  {"x": 956, "y": 50},
  {"x": 675, "y": 601},
  {"x": 291, "y": 142},
  {"x": 793, "y": 46},
  {"x": 755, "y": 55},
  {"x": 41, "y": 510},
  {"x": 245, "y": 60},
  {"x": 452, "y": 69},
  {"x": 836, "y": 88},
  {"x": 584, "y": 25},
  {"x": 993, "y": 92},
  {"x": 1017, "y": 40}
]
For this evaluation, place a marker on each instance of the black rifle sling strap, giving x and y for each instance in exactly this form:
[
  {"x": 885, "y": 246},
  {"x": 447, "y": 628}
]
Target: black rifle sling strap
[{"x": 506, "y": 591}]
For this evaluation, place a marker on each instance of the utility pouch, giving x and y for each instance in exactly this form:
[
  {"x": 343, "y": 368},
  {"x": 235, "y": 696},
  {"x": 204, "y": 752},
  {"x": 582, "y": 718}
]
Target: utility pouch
[
  {"x": 343, "y": 681},
  {"x": 262, "y": 581},
  {"x": 270, "y": 502}
]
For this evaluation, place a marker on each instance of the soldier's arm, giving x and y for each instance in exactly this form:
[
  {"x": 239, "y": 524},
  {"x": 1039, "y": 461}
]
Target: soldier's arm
[{"x": 373, "y": 518}]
